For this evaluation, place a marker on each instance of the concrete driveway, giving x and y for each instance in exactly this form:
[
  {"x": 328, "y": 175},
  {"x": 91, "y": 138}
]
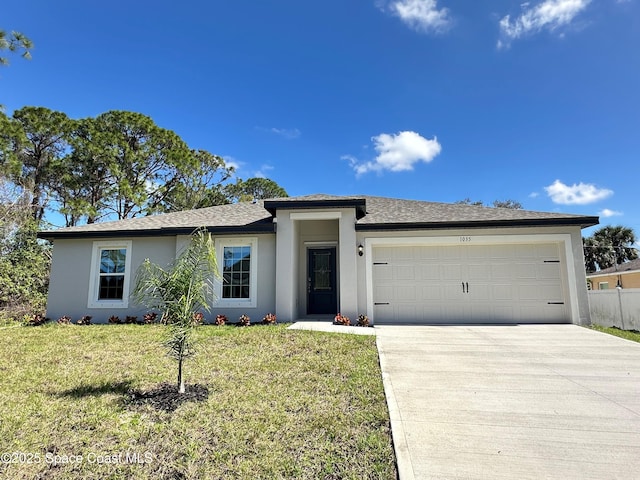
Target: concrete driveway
[{"x": 512, "y": 402}]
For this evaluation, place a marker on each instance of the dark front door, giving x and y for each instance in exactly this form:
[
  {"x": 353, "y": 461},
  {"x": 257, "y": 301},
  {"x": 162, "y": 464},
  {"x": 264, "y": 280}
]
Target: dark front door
[{"x": 321, "y": 281}]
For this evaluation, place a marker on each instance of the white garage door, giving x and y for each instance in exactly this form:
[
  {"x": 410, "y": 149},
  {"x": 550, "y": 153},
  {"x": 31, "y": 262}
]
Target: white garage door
[{"x": 509, "y": 283}]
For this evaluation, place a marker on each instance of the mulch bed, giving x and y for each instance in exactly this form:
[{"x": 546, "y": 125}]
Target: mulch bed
[{"x": 166, "y": 396}]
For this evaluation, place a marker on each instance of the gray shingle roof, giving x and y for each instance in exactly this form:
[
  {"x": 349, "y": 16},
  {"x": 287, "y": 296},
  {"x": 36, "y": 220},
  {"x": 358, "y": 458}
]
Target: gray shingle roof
[
  {"x": 381, "y": 213},
  {"x": 246, "y": 216},
  {"x": 631, "y": 266},
  {"x": 382, "y": 210}
]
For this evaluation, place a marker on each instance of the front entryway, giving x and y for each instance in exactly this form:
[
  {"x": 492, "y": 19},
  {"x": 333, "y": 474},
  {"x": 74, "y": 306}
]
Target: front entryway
[{"x": 322, "y": 296}]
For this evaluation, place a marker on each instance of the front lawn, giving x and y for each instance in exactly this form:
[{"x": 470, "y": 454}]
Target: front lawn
[
  {"x": 628, "y": 334},
  {"x": 77, "y": 403}
]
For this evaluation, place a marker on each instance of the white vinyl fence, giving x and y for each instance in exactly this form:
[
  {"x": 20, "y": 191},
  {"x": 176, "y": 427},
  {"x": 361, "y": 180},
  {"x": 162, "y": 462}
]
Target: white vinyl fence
[{"x": 616, "y": 308}]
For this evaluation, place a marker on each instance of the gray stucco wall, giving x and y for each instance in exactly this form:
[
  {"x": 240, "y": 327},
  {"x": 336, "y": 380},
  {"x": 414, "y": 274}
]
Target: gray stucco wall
[{"x": 71, "y": 271}]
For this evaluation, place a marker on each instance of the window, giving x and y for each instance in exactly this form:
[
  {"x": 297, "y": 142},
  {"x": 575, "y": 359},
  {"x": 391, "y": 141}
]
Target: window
[
  {"x": 236, "y": 272},
  {"x": 603, "y": 285},
  {"x": 237, "y": 263},
  {"x": 110, "y": 271}
]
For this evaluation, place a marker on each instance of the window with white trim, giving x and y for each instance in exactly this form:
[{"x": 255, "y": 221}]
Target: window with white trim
[
  {"x": 603, "y": 285},
  {"x": 237, "y": 262},
  {"x": 110, "y": 272}
]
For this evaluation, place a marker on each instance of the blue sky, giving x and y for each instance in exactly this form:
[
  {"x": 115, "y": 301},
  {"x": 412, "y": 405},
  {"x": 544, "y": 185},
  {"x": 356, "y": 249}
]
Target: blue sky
[{"x": 436, "y": 100}]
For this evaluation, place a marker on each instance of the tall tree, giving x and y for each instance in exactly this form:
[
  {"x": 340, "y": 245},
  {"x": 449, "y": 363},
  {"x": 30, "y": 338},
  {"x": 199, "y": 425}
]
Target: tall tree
[
  {"x": 468, "y": 201},
  {"x": 24, "y": 261},
  {"x": 144, "y": 161},
  {"x": 609, "y": 246},
  {"x": 256, "y": 188},
  {"x": 83, "y": 182},
  {"x": 180, "y": 291},
  {"x": 14, "y": 42},
  {"x": 200, "y": 185},
  {"x": 36, "y": 140},
  {"x": 512, "y": 204}
]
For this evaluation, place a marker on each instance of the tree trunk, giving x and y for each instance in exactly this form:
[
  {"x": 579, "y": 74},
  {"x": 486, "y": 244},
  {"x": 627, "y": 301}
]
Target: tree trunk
[{"x": 181, "y": 388}]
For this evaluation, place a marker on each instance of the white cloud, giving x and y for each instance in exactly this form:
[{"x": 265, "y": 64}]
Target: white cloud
[
  {"x": 421, "y": 15},
  {"x": 534, "y": 195},
  {"x": 261, "y": 172},
  {"x": 230, "y": 161},
  {"x": 548, "y": 15},
  {"x": 580, "y": 194},
  {"x": 288, "y": 133},
  {"x": 609, "y": 213},
  {"x": 397, "y": 153}
]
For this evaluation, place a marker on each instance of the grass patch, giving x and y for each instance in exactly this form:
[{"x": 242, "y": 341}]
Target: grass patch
[
  {"x": 628, "y": 334},
  {"x": 269, "y": 403}
]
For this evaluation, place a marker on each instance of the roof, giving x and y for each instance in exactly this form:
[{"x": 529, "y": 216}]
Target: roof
[
  {"x": 372, "y": 213},
  {"x": 627, "y": 267}
]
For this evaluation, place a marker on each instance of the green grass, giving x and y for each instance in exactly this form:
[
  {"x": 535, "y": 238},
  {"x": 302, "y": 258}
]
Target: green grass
[
  {"x": 282, "y": 404},
  {"x": 628, "y": 334}
]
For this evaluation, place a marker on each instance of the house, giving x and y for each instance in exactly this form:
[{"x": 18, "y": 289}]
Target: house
[
  {"x": 397, "y": 261},
  {"x": 626, "y": 275}
]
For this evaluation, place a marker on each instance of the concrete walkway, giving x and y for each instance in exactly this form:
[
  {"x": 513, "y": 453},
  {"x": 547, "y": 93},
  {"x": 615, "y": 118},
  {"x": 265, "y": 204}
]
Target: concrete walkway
[
  {"x": 328, "y": 326},
  {"x": 512, "y": 402}
]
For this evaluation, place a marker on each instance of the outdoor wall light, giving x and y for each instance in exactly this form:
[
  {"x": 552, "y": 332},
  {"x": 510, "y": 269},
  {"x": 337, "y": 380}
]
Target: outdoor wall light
[{"x": 360, "y": 250}]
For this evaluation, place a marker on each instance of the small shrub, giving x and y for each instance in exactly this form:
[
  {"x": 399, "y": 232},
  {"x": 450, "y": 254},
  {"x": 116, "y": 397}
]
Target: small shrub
[
  {"x": 269, "y": 319},
  {"x": 35, "y": 320},
  {"x": 114, "y": 319},
  {"x": 150, "y": 318},
  {"x": 341, "y": 320},
  {"x": 221, "y": 320},
  {"x": 244, "y": 320},
  {"x": 363, "y": 321},
  {"x": 64, "y": 320},
  {"x": 198, "y": 318},
  {"x": 86, "y": 320},
  {"x": 130, "y": 319}
]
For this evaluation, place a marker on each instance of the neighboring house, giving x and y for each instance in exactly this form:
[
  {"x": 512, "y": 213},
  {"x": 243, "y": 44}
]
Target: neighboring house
[
  {"x": 397, "y": 261},
  {"x": 626, "y": 275}
]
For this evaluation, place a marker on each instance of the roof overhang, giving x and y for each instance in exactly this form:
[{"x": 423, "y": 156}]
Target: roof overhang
[
  {"x": 582, "y": 222},
  {"x": 159, "y": 232},
  {"x": 359, "y": 204}
]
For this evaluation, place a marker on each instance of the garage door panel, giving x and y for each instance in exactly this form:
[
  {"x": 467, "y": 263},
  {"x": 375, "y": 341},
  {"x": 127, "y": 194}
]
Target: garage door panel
[
  {"x": 451, "y": 272},
  {"x": 383, "y": 293},
  {"x": 383, "y": 272},
  {"x": 525, "y": 271},
  {"x": 406, "y": 293},
  {"x": 502, "y": 292},
  {"x": 500, "y": 270},
  {"x": 547, "y": 250},
  {"x": 404, "y": 272},
  {"x": 477, "y": 284},
  {"x": 477, "y": 271},
  {"x": 433, "y": 293},
  {"x": 548, "y": 271},
  {"x": 429, "y": 272},
  {"x": 452, "y": 292},
  {"x": 504, "y": 313},
  {"x": 499, "y": 252},
  {"x": 538, "y": 292},
  {"x": 449, "y": 254}
]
